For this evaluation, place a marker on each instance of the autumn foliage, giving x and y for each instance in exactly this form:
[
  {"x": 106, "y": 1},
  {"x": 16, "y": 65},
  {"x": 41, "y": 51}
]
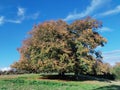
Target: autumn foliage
[{"x": 56, "y": 46}]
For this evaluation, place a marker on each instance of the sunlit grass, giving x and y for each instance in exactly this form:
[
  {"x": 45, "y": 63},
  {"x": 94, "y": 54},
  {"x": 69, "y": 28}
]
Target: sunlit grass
[{"x": 34, "y": 82}]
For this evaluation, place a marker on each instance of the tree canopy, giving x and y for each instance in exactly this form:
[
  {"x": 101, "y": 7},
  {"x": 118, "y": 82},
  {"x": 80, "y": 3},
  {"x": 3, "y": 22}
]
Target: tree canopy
[{"x": 56, "y": 46}]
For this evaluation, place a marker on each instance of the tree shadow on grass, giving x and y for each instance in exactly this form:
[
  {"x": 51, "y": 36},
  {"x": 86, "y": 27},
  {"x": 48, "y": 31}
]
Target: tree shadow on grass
[
  {"x": 73, "y": 78},
  {"x": 111, "y": 87},
  {"x": 58, "y": 77}
]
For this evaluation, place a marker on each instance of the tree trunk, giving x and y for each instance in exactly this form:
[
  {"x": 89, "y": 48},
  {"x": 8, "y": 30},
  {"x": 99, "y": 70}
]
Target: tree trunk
[
  {"x": 61, "y": 74},
  {"x": 76, "y": 75}
]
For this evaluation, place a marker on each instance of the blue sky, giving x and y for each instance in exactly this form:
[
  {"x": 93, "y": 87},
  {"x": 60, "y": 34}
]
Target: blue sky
[{"x": 17, "y": 17}]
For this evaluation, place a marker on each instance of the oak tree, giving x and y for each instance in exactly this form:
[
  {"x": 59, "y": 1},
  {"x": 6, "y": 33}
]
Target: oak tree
[{"x": 56, "y": 46}]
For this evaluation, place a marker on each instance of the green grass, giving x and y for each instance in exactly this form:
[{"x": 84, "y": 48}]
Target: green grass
[{"x": 34, "y": 82}]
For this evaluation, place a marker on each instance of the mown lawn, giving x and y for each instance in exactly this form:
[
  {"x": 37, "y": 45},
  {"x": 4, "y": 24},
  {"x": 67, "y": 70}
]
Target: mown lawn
[{"x": 34, "y": 82}]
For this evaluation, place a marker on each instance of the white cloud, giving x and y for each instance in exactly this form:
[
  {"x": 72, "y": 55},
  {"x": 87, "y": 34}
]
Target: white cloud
[
  {"x": 19, "y": 17},
  {"x": 1, "y": 20},
  {"x": 14, "y": 21},
  {"x": 104, "y": 29},
  {"x": 112, "y": 52},
  {"x": 5, "y": 69},
  {"x": 112, "y": 56},
  {"x": 95, "y": 4},
  {"x": 21, "y": 11},
  {"x": 110, "y": 12}
]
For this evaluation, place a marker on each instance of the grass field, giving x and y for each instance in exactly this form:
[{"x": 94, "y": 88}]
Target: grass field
[{"x": 35, "y": 82}]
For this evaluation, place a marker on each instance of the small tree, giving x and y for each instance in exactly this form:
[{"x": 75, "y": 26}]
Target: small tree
[
  {"x": 56, "y": 46},
  {"x": 116, "y": 71}
]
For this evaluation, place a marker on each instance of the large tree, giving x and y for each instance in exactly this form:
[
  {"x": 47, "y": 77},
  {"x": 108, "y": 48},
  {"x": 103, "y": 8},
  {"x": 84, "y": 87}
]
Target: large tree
[{"x": 56, "y": 46}]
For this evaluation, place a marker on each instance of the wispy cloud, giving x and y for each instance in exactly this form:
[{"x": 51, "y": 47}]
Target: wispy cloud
[
  {"x": 14, "y": 21},
  {"x": 1, "y": 20},
  {"x": 112, "y": 56},
  {"x": 112, "y": 11},
  {"x": 112, "y": 52},
  {"x": 33, "y": 16},
  {"x": 20, "y": 16},
  {"x": 95, "y": 4},
  {"x": 21, "y": 11},
  {"x": 105, "y": 29}
]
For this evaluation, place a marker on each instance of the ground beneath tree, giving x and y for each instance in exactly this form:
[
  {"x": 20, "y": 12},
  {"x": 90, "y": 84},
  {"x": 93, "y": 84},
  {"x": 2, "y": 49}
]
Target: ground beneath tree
[{"x": 37, "y": 82}]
